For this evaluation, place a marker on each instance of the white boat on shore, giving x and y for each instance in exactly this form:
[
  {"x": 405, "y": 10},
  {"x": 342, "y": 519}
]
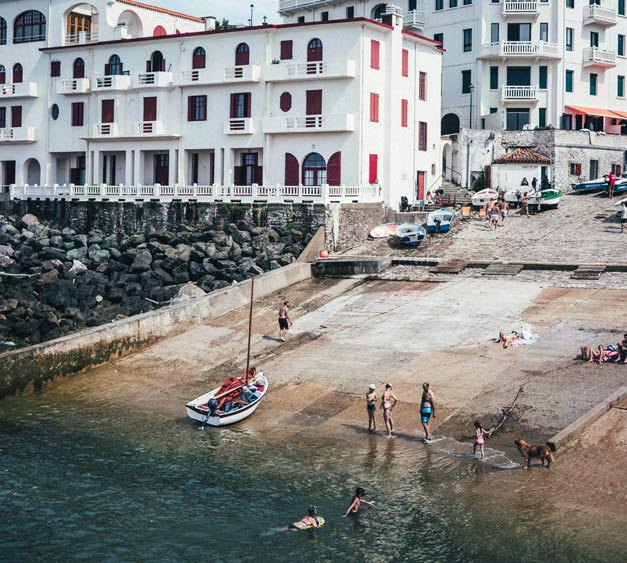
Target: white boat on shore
[
  {"x": 409, "y": 234},
  {"x": 512, "y": 196},
  {"x": 482, "y": 197},
  {"x": 440, "y": 221}
]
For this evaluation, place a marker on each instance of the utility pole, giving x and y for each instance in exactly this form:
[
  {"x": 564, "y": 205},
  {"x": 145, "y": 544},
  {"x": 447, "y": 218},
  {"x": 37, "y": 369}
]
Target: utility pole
[{"x": 252, "y": 11}]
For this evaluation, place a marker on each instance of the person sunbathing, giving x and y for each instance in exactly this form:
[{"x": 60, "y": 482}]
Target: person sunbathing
[
  {"x": 509, "y": 339},
  {"x": 602, "y": 354}
]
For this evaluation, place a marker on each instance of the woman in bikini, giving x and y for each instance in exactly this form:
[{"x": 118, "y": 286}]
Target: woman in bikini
[
  {"x": 371, "y": 406},
  {"x": 480, "y": 435},
  {"x": 310, "y": 520},
  {"x": 388, "y": 402},
  {"x": 427, "y": 410},
  {"x": 357, "y": 500}
]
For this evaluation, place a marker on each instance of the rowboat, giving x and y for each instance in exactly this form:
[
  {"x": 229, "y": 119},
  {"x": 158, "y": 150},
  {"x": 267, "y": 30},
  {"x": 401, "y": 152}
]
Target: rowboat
[
  {"x": 409, "y": 234},
  {"x": 246, "y": 399},
  {"x": 547, "y": 198},
  {"x": 482, "y": 197},
  {"x": 595, "y": 185},
  {"x": 513, "y": 196},
  {"x": 440, "y": 221},
  {"x": 384, "y": 231}
]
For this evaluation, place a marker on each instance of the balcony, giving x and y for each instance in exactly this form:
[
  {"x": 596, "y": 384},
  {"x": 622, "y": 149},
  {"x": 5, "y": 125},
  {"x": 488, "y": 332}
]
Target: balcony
[
  {"x": 154, "y": 80},
  {"x": 222, "y": 75},
  {"x": 414, "y": 19},
  {"x": 284, "y": 72},
  {"x": 521, "y": 49},
  {"x": 286, "y": 6},
  {"x": 599, "y": 15},
  {"x": 17, "y": 135},
  {"x": 74, "y": 86},
  {"x": 115, "y": 82},
  {"x": 593, "y": 56},
  {"x": 310, "y": 123},
  {"x": 81, "y": 38},
  {"x": 239, "y": 126},
  {"x": 19, "y": 90},
  {"x": 149, "y": 128},
  {"x": 512, "y": 94},
  {"x": 103, "y": 130},
  {"x": 520, "y": 8}
]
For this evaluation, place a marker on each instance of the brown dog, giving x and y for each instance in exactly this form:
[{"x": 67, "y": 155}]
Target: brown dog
[{"x": 529, "y": 451}]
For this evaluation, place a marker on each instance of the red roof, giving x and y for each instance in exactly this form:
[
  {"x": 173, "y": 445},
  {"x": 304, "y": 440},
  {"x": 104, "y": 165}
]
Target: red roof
[
  {"x": 162, "y": 10},
  {"x": 523, "y": 156}
]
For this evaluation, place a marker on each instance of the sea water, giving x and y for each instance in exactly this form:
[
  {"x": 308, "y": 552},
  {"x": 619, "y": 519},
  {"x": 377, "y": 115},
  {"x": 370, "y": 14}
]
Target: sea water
[{"x": 91, "y": 481}]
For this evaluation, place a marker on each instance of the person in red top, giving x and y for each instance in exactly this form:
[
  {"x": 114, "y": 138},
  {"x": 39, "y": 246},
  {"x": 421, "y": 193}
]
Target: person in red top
[{"x": 611, "y": 184}]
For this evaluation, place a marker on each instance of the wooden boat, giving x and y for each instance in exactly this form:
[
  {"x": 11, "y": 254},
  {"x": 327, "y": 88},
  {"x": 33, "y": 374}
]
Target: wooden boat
[
  {"x": 409, "y": 234},
  {"x": 384, "y": 231},
  {"x": 595, "y": 185},
  {"x": 511, "y": 196},
  {"x": 482, "y": 197},
  {"x": 440, "y": 221},
  {"x": 547, "y": 198}
]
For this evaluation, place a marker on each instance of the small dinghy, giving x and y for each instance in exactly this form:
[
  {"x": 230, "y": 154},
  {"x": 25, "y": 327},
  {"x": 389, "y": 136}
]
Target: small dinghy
[
  {"x": 384, "y": 231},
  {"x": 595, "y": 185},
  {"x": 409, "y": 234},
  {"x": 440, "y": 221},
  {"x": 547, "y": 198},
  {"x": 482, "y": 197}
]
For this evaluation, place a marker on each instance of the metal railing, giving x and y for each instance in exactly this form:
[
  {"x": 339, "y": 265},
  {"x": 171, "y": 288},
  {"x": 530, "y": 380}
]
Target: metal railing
[{"x": 520, "y": 7}]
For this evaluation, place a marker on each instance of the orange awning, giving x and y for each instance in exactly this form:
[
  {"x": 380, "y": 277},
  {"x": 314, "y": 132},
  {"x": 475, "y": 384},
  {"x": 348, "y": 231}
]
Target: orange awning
[{"x": 599, "y": 112}]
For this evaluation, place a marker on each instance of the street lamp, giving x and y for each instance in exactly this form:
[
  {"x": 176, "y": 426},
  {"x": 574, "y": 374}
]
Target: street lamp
[
  {"x": 250, "y": 21},
  {"x": 471, "y": 88}
]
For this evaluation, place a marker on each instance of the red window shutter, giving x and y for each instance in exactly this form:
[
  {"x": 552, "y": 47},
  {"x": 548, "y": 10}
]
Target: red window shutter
[
  {"x": 405, "y": 63},
  {"x": 373, "y": 172},
  {"x": 78, "y": 70},
  {"x": 16, "y": 116},
  {"x": 374, "y": 107},
  {"x": 420, "y": 185},
  {"x": 334, "y": 169},
  {"x": 286, "y": 101},
  {"x": 404, "y": 112},
  {"x": 233, "y": 105},
  {"x": 190, "y": 108},
  {"x": 18, "y": 75},
  {"x": 81, "y": 113},
  {"x": 422, "y": 86},
  {"x": 108, "y": 111},
  {"x": 149, "y": 66},
  {"x": 107, "y": 69},
  {"x": 55, "y": 68},
  {"x": 286, "y": 50},
  {"x": 242, "y": 56},
  {"x": 292, "y": 172},
  {"x": 198, "y": 61},
  {"x": 150, "y": 109},
  {"x": 259, "y": 175},
  {"x": 374, "y": 54},
  {"x": 163, "y": 65},
  {"x": 578, "y": 169},
  {"x": 3, "y": 77},
  {"x": 314, "y": 102},
  {"x": 247, "y": 104}
]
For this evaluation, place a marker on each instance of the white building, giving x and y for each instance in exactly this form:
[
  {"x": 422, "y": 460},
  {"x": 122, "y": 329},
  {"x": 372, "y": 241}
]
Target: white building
[
  {"x": 116, "y": 97},
  {"x": 514, "y": 62}
]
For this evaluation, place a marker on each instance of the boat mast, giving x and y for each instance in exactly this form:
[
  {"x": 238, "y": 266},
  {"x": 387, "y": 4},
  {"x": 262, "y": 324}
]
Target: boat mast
[{"x": 250, "y": 324}]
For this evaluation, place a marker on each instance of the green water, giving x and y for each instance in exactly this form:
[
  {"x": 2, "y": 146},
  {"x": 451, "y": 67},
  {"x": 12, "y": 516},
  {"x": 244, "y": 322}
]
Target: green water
[{"x": 92, "y": 482}]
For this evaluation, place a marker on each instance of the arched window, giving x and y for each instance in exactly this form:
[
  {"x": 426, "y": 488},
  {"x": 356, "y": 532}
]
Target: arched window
[
  {"x": 114, "y": 67},
  {"x": 3, "y": 75},
  {"x": 285, "y": 102},
  {"x": 450, "y": 124},
  {"x": 242, "y": 55},
  {"x": 314, "y": 50},
  {"x": 78, "y": 69},
  {"x": 379, "y": 10},
  {"x": 3, "y": 31},
  {"x": 314, "y": 170},
  {"x": 18, "y": 73},
  {"x": 157, "y": 62},
  {"x": 29, "y": 26},
  {"x": 159, "y": 31},
  {"x": 199, "y": 58}
]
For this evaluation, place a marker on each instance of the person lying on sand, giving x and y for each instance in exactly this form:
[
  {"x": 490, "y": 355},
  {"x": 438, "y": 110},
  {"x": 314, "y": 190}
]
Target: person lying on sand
[{"x": 509, "y": 339}]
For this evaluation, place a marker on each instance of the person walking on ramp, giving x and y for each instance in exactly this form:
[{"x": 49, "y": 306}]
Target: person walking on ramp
[{"x": 285, "y": 321}]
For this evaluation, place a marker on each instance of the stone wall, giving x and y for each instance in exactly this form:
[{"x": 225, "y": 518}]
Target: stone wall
[{"x": 350, "y": 224}]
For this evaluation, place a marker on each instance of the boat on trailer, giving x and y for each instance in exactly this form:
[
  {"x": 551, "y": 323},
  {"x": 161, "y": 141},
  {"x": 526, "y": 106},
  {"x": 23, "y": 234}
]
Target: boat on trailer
[
  {"x": 409, "y": 234},
  {"x": 440, "y": 221}
]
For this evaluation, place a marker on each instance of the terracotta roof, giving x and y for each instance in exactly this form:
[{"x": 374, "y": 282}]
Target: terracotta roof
[
  {"x": 523, "y": 156},
  {"x": 160, "y": 9}
]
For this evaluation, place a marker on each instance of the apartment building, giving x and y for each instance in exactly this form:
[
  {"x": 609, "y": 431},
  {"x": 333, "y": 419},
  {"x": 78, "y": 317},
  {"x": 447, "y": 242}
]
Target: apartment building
[
  {"x": 117, "y": 93},
  {"x": 514, "y": 64}
]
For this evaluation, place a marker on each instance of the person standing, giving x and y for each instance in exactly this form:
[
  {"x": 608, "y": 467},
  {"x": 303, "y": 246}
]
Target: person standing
[
  {"x": 388, "y": 402},
  {"x": 524, "y": 204},
  {"x": 371, "y": 406},
  {"x": 534, "y": 183},
  {"x": 427, "y": 410},
  {"x": 285, "y": 321},
  {"x": 611, "y": 184},
  {"x": 504, "y": 212},
  {"x": 480, "y": 435},
  {"x": 623, "y": 217}
]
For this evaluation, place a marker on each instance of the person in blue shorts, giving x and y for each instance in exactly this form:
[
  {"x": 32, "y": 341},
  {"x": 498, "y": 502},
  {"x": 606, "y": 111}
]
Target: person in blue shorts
[{"x": 427, "y": 410}]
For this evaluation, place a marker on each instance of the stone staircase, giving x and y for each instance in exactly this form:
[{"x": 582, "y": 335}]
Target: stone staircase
[{"x": 453, "y": 196}]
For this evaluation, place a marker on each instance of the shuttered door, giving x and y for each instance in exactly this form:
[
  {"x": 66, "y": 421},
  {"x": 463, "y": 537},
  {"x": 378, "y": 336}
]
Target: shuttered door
[
  {"x": 18, "y": 74},
  {"x": 334, "y": 169},
  {"x": 404, "y": 112},
  {"x": 314, "y": 102},
  {"x": 150, "y": 109},
  {"x": 198, "y": 61},
  {"x": 314, "y": 52},
  {"x": 286, "y": 50},
  {"x": 108, "y": 111},
  {"x": 16, "y": 116},
  {"x": 420, "y": 185},
  {"x": 259, "y": 175},
  {"x": 373, "y": 170},
  {"x": 292, "y": 173},
  {"x": 79, "y": 69}
]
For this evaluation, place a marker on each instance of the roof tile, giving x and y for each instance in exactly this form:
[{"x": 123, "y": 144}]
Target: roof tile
[{"x": 523, "y": 156}]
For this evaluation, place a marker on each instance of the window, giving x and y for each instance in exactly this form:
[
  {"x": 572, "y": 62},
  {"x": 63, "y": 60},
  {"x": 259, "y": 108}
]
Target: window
[
  {"x": 452, "y": 3},
  {"x": 375, "y": 47},
  {"x": 404, "y": 112},
  {"x": 76, "y": 23},
  {"x": 199, "y": 58},
  {"x": 594, "y": 169},
  {"x": 374, "y": 107},
  {"x": 621, "y": 7},
  {"x": 467, "y": 2},
  {"x": 285, "y": 101},
  {"x": 467, "y": 40},
  {"x": 517, "y": 119},
  {"x": 315, "y": 51},
  {"x": 422, "y": 136},
  {"x": 373, "y": 169},
  {"x": 3, "y": 118},
  {"x": 439, "y": 37},
  {"x": 159, "y": 31},
  {"x": 542, "y": 117},
  {"x": 240, "y": 106},
  {"x": 78, "y": 111},
  {"x": 314, "y": 170},
  {"x": 575, "y": 168},
  {"x": 78, "y": 69},
  {"x": 594, "y": 39},
  {"x": 3, "y": 31},
  {"x": 570, "y": 3},
  {"x": 593, "y": 84},
  {"x": 621, "y": 45},
  {"x": 405, "y": 63},
  {"x": 55, "y": 69},
  {"x": 350, "y": 12},
  {"x": 18, "y": 73},
  {"x": 197, "y": 108},
  {"x": 544, "y": 31},
  {"x": 242, "y": 55},
  {"x": 3, "y": 75},
  {"x": 494, "y": 33},
  {"x": 494, "y": 78},
  {"x": 114, "y": 67},
  {"x": 570, "y": 75},
  {"x": 287, "y": 50},
  {"x": 422, "y": 86},
  {"x": 570, "y": 38},
  {"x": 29, "y": 26},
  {"x": 300, "y": 19},
  {"x": 620, "y": 86},
  {"x": 439, "y": 4},
  {"x": 16, "y": 116},
  {"x": 324, "y": 16},
  {"x": 466, "y": 81},
  {"x": 544, "y": 77}
]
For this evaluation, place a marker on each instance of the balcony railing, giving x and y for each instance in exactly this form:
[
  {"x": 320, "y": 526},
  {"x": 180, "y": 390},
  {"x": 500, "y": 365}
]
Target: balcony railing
[
  {"x": 540, "y": 49},
  {"x": 522, "y": 7},
  {"x": 317, "y": 70},
  {"x": 17, "y": 135},
  {"x": 74, "y": 86},
  {"x": 414, "y": 19},
  {"x": 222, "y": 75},
  {"x": 106, "y": 129},
  {"x": 80, "y": 38},
  {"x": 593, "y": 56},
  {"x": 287, "y": 5},
  {"x": 113, "y": 82},
  {"x": 239, "y": 126},
  {"x": 309, "y": 123},
  {"x": 154, "y": 79},
  {"x": 519, "y": 93},
  {"x": 600, "y": 15},
  {"x": 150, "y": 128},
  {"x": 248, "y": 194},
  {"x": 19, "y": 90}
]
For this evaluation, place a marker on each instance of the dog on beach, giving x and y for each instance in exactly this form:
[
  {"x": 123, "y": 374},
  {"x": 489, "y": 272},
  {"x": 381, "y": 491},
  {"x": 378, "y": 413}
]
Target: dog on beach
[{"x": 529, "y": 451}]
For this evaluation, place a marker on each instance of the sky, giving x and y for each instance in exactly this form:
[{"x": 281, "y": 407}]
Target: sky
[{"x": 236, "y": 11}]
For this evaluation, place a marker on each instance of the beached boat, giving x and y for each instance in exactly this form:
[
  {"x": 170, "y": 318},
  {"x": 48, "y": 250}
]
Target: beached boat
[
  {"x": 512, "y": 196},
  {"x": 384, "y": 231},
  {"x": 595, "y": 185},
  {"x": 620, "y": 187},
  {"x": 547, "y": 198},
  {"x": 409, "y": 234},
  {"x": 482, "y": 197},
  {"x": 440, "y": 221}
]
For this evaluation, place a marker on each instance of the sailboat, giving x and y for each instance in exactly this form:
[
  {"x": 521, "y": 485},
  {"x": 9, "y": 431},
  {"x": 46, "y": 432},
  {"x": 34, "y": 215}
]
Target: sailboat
[{"x": 238, "y": 397}]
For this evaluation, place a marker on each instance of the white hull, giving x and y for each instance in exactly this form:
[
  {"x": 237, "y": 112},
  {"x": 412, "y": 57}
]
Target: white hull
[{"x": 481, "y": 198}]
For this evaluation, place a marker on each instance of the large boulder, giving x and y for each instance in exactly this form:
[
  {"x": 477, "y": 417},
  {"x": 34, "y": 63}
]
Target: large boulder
[
  {"x": 142, "y": 261},
  {"x": 28, "y": 220},
  {"x": 6, "y": 250},
  {"x": 77, "y": 268},
  {"x": 187, "y": 292}
]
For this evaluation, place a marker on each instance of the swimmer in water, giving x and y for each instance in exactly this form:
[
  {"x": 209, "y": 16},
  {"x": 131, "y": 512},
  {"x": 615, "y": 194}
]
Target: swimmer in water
[
  {"x": 357, "y": 500},
  {"x": 307, "y": 521}
]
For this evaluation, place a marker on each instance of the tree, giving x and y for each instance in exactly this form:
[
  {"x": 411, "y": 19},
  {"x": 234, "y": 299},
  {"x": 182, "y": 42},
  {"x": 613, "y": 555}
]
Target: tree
[{"x": 224, "y": 24}]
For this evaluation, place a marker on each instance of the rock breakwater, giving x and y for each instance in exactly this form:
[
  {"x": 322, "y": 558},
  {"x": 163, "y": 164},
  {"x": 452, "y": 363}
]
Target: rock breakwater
[{"x": 57, "y": 281}]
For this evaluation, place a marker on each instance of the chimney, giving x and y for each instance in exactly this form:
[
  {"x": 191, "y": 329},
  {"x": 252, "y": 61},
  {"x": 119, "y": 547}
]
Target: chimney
[
  {"x": 210, "y": 23},
  {"x": 393, "y": 16}
]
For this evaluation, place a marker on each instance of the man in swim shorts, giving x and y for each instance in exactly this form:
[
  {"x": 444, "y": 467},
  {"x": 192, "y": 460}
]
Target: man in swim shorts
[
  {"x": 427, "y": 410},
  {"x": 371, "y": 406},
  {"x": 284, "y": 320}
]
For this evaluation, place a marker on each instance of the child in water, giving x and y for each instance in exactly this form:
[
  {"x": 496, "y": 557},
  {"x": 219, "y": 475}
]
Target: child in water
[
  {"x": 357, "y": 500},
  {"x": 307, "y": 521},
  {"x": 480, "y": 435}
]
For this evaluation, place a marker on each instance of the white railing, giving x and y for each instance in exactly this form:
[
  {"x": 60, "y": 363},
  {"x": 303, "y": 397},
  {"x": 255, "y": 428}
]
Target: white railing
[
  {"x": 296, "y": 4},
  {"x": 19, "y": 90},
  {"x": 113, "y": 82},
  {"x": 596, "y": 56},
  {"x": 309, "y": 123},
  {"x": 74, "y": 86},
  {"x": 18, "y": 134},
  {"x": 312, "y": 70},
  {"x": 522, "y": 93},
  {"x": 520, "y": 7},
  {"x": 159, "y": 79},
  {"x": 81, "y": 37},
  {"x": 106, "y": 129},
  {"x": 209, "y": 194},
  {"x": 222, "y": 75},
  {"x": 30, "y": 38},
  {"x": 414, "y": 19},
  {"x": 521, "y": 49},
  {"x": 239, "y": 126},
  {"x": 600, "y": 14}
]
